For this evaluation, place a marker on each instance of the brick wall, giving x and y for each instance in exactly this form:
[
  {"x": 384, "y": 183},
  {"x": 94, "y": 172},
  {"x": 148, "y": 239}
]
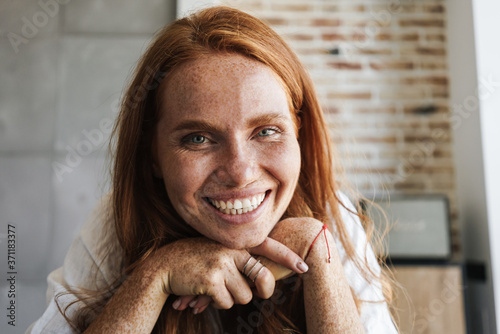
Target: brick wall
[{"x": 380, "y": 69}]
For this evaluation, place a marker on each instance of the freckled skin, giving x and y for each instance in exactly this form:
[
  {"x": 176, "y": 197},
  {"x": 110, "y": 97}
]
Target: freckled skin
[
  {"x": 328, "y": 301},
  {"x": 235, "y": 94},
  {"x": 234, "y": 99}
]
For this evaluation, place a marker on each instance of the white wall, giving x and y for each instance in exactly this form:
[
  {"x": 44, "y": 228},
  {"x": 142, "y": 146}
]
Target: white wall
[
  {"x": 185, "y": 7},
  {"x": 62, "y": 76},
  {"x": 487, "y": 29},
  {"x": 470, "y": 35}
]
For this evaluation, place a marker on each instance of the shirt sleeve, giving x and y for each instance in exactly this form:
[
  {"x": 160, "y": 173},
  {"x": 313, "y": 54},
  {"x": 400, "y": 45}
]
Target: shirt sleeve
[
  {"x": 85, "y": 266},
  {"x": 375, "y": 314}
]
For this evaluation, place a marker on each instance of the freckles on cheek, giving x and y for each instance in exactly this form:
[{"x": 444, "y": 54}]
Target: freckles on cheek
[{"x": 184, "y": 178}]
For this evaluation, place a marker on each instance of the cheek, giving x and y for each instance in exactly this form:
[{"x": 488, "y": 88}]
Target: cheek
[
  {"x": 285, "y": 164},
  {"x": 183, "y": 177}
]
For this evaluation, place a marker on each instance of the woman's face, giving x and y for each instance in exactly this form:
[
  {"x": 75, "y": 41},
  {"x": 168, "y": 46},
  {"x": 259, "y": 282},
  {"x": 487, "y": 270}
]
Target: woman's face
[{"x": 226, "y": 148}]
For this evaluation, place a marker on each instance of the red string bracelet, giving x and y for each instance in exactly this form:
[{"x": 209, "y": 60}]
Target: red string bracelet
[{"x": 323, "y": 229}]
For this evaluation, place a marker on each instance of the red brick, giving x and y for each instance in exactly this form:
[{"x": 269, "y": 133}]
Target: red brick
[
  {"x": 333, "y": 37},
  {"x": 409, "y": 138},
  {"x": 424, "y": 51},
  {"x": 433, "y": 65},
  {"x": 372, "y": 51},
  {"x": 344, "y": 65},
  {"x": 410, "y": 37},
  {"x": 291, "y": 7},
  {"x": 300, "y": 37},
  {"x": 350, "y": 95},
  {"x": 435, "y": 37},
  {"x": 386, "y": 139},
  {"x": 276, "y": 21},
  {"x": 325, "y": 22},
  {"x": 393, "y": 65},
  {"x": 431, "y": 80},
  {"x": 375, "y": 170},
  {"x": 330, "y": 110},
  {"x": 409, "y": 185},
  {"x": 421, "y": 23},
  {"x": 375, "y": 110},
  {"x": 440, "y": 93},
  {"x": 343, "y": 8},
  {"x": 433, "y": 8},
  {"x": 440, "y": 153},
  {"x": 384, "y": 37}
]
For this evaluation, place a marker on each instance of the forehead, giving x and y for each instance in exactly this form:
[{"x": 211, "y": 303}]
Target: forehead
[{"x": 221, "y": 82}]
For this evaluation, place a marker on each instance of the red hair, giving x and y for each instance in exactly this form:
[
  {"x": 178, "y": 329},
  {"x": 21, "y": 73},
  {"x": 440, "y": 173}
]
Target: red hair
[{"x": 144, "y": 217}]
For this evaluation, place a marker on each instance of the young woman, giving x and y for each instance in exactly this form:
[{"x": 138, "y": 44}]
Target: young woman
[{"x": 224, "y": 201}]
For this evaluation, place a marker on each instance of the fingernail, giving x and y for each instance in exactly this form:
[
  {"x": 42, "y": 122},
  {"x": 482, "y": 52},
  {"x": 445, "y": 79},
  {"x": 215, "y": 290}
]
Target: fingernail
[
  {"x": 302, "y": 266},
  {"x": 193, "y": 303},
  {"x": 176, "y": 304},
  {"x": 196, "y": 310}
]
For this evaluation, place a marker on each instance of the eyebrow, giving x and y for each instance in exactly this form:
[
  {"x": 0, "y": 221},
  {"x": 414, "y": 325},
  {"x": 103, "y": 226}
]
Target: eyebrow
[{"x": 268, "y": 118}]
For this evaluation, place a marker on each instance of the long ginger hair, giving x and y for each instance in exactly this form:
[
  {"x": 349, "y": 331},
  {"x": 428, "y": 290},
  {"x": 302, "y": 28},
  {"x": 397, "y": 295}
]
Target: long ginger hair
[{"x": 144, "y": 218}]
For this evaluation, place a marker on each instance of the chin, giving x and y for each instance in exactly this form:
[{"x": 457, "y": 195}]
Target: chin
[{"x": 242, "y": 244}]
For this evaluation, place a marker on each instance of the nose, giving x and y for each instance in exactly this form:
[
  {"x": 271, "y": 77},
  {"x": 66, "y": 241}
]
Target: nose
[{"x": 237, "y": 165}]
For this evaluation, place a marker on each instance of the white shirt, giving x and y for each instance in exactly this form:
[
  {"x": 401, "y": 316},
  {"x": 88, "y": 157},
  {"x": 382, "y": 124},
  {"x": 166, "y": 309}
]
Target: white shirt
[{"x": 98, "y": 237}]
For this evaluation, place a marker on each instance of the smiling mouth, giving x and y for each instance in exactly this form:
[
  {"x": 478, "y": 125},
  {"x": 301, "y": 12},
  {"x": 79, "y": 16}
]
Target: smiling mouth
[{"x": 238, "y": 206}]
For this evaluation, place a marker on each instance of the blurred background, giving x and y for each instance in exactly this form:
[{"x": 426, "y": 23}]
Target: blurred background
[{"x": 410, "y": 89}]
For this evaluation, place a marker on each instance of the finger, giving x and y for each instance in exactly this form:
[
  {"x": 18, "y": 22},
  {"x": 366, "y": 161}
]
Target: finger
[
  {"x": 264, "y": 282},
  {"x": 281, "y": 254},
  {"x": 222, "y": 299},
  {"x": 260, "y": 277},
  {"x": 182, "y": 302},
  {"x": 238, "y": 286},
  {"x": 201, "y": 302},
  {"x": 199, "y": 310}
]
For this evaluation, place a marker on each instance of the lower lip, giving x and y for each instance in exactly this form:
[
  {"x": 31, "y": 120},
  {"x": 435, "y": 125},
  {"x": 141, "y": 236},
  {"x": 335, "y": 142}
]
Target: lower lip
[{"x": 243, "y": 218}]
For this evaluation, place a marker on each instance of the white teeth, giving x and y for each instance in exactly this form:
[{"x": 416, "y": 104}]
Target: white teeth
[
  {"x": 239, "y": 206},
  {"x": 247, "y": 203}
]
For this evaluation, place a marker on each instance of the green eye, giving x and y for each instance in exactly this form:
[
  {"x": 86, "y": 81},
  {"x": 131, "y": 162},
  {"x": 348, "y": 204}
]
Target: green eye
[
  {"x": 198, "y": 139},
  {"x": 266, "y": 132}
]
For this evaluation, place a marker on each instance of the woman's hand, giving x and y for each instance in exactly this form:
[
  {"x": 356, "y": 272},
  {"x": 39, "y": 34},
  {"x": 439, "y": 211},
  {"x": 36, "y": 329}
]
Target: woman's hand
[
  {"x": 297, "y": 235},
  {"x": 278, "y": 253},
  {"x": 203, "y": 271}
]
